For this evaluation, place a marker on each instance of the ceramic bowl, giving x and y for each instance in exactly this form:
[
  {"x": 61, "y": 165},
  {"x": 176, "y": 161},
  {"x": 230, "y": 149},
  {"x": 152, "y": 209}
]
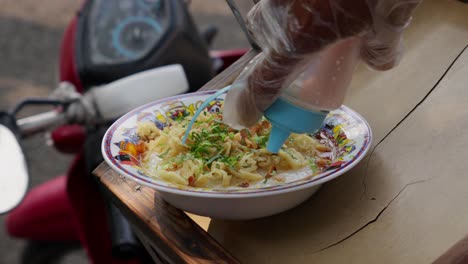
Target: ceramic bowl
[{"x": 349, "y": 132}]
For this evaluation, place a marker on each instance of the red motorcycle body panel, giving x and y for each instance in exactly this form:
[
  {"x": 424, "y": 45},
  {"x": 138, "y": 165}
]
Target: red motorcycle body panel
[
  {"x": 69, "y": 138},
  {"x": 68, "y": 71},
  {"x": 44, "y": 214}
]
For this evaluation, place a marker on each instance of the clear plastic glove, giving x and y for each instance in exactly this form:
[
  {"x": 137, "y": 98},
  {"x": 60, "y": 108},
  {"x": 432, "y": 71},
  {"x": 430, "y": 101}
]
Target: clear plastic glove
[{"x": 290, "y": 32}]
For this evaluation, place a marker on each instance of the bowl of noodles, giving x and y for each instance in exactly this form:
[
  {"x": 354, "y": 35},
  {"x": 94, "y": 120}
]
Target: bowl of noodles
[{"x": 225, "y": 173}]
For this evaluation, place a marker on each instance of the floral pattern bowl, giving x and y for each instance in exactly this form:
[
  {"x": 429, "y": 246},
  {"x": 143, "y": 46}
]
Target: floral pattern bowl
[{"x": 349, "y": 133}]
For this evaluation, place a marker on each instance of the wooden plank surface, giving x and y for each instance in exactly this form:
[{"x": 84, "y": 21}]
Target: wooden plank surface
[
  {"x": 170, "y": 231},
  {"x": 380, "y": 212}
]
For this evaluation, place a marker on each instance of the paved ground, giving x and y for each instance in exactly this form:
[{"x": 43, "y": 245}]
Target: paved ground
[{"x": 30, "y": 33}]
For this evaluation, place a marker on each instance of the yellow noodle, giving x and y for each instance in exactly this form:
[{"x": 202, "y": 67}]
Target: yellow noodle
[{"x": 212, "y": 159}]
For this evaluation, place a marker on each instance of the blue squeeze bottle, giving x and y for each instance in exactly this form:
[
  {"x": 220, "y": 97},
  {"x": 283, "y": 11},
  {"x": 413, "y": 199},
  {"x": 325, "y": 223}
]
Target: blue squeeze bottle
[{"x": 303, "y": 106}]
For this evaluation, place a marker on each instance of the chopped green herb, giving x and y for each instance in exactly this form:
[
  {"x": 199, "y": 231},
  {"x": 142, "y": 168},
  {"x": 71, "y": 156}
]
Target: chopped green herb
[
  {"x": 207, "y": 143},
  {"x": 260, "y": 140},
  {"x": 213, "y": 159},
  {"x": 230, "y": 161},
  {"x": 164, "y": 154},
  {"x": 273, "y": 173},
  {"x": 313, "y": 165},
  {"x": 165, "y": 165},
  {"x": 179, "y": 118}
]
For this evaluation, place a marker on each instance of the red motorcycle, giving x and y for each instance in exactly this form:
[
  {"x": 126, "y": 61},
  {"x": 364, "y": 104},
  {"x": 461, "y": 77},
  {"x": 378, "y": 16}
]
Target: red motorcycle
[{"x": 115, "y": 55}]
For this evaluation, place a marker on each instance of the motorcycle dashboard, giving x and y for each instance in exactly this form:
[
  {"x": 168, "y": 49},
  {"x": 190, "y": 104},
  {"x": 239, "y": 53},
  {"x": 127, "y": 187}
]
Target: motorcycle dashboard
[{"x": 123, "y": 31}]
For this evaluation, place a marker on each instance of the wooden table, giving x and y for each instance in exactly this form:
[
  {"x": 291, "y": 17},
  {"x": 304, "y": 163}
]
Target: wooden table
[{"x": 407, "y": 202}]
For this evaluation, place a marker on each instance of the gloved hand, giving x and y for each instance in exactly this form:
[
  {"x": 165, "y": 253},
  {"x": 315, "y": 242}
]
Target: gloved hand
[{"x": 290, "y": 32}]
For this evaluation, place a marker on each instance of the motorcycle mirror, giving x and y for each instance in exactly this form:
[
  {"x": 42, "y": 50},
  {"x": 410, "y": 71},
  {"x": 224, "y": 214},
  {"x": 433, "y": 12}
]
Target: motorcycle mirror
[{"x": 14, "y": 172}]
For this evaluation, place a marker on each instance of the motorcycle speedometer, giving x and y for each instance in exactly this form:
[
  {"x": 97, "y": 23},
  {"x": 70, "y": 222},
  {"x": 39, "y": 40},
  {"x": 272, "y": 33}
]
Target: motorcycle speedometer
[
  {"x": 134, "y": 36},
  {"x": 117, "y": 38},
  {"x": 125, "y": 30}
]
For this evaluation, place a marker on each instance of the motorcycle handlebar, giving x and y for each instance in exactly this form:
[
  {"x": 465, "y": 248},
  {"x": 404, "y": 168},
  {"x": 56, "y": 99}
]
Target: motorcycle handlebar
[
  {"x": 109, "y": 101},
  {"x": 40, "y": 122}
]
